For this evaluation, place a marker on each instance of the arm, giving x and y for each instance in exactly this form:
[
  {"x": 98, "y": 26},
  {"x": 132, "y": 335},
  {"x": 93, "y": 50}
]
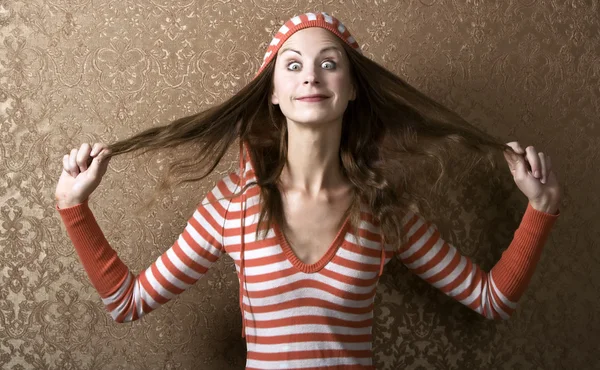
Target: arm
[
  {"x": 494, "y": 294},
  {"x": 128, "y": 297}
]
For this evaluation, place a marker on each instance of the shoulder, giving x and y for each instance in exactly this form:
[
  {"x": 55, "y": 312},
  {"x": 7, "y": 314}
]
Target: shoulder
[{"x": 222, "y": 192}]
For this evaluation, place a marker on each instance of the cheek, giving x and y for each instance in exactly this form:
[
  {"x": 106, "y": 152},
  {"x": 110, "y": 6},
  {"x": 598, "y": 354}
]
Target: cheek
[
  {"x": 281, "y": 89},
  {"x": 346, "y": 84}
]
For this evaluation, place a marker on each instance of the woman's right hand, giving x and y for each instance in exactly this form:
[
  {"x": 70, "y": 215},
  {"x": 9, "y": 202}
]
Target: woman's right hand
[{"x": 82, "y": 172}]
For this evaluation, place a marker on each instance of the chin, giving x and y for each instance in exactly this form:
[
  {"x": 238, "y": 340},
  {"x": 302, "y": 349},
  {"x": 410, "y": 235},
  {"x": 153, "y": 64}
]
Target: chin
[{"x": 314, "y": 121}]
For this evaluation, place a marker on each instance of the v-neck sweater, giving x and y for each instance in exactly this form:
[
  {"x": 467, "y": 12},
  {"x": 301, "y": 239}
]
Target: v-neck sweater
[{"x": 297, "y": 315}]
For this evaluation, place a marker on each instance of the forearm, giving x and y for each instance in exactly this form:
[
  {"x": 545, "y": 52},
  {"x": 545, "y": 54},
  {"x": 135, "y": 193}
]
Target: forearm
[
  {"x": 492, "y": 294},
  {"x": 105, "y": 269},
  {"x": 515, "y": 268}
]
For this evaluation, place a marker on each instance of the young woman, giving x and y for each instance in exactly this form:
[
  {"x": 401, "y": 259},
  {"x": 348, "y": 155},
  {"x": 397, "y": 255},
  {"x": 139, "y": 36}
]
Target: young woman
[{"x": 336, "y": 154}]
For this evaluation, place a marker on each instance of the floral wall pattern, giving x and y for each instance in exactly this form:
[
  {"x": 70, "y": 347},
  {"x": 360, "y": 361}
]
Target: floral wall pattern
[{"x": 86, "y": 71}]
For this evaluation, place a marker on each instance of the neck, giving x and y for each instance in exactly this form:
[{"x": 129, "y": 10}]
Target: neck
[{"x": 313, "y": 165}]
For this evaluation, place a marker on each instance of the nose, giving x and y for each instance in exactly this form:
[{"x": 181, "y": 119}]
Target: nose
[
  {"x": 311, "y": 79},
  {"x": 311, "y": 76}
]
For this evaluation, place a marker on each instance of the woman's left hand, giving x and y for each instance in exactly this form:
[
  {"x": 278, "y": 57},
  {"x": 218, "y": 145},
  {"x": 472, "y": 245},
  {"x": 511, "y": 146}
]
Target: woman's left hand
[{"x": 538, "y": 181}]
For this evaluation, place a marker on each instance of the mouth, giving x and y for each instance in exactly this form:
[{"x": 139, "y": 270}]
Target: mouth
[{"x": 312, "y": 98}]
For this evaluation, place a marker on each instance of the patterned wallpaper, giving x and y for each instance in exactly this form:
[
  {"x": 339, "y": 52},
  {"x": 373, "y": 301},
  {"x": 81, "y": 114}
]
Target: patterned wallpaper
[{"x": 74, "y": 71}]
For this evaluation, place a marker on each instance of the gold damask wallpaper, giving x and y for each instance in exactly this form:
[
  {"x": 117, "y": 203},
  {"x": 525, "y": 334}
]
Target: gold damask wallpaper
[{"x": 74, "y": 71}]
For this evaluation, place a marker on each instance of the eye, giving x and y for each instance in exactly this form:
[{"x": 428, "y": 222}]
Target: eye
[
  {"x": 330, "y": 64},
  {"x": 292, "y": 63}
]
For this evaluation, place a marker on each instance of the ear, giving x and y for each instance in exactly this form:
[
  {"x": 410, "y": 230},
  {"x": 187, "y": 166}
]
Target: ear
[{"x": 274, "y": 98}]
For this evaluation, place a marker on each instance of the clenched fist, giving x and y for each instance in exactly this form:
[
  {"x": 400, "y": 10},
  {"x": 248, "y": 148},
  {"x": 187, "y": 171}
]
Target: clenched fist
[
  {"x": 82, "y": 172},
  {"x": 534, "y": 176}
]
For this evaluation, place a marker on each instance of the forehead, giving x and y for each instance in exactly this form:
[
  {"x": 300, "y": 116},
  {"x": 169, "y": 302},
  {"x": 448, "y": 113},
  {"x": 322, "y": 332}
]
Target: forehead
[{"x": 311, "y": 39}]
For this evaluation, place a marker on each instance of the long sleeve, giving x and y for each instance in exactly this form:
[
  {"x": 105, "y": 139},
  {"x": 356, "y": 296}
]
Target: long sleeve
[
  {"x": 128, "y": 297},
  {"x": 493, "y": 294}
]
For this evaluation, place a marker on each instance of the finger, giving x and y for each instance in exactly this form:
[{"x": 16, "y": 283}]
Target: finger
[
  {"x": 515, "y": 156},
  {"x": 66, "y": 164},
  {"x": 99, "y": 164},
  {"x": 83, "y": 155},
  {"x": 544, "y": 168},
  {"x": 104, "y": 152},
  {"x": 96, "y": 149},
  {"x": 516, "y": 146},
  {"x": 73, "y": 163},
  {"x": 534, "y": 161},
  {"x": 517, "y": 165},
  {"x": 521, "y": 170}
]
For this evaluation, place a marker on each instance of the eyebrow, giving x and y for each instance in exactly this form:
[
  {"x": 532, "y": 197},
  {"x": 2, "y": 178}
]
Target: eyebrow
[{"x": 327, "y": 48}]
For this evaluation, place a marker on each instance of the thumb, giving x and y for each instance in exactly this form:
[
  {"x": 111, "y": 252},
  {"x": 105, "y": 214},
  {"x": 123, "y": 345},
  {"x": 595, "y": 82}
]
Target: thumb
[
  {"x": 516, "y": 163},
  {"x": 520, "y": 168},
  {"x": 99, "y": 165}
]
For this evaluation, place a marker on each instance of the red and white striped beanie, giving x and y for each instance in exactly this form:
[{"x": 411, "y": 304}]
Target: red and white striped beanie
[{"x": 306, "y": 20}]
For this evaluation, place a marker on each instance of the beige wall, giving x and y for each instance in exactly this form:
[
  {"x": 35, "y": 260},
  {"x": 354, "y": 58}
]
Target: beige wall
[{"x": 75, "y": 71}]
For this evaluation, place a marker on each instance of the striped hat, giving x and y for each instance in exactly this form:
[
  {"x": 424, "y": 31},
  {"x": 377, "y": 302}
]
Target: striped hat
[{"x": 306, "y": 20}]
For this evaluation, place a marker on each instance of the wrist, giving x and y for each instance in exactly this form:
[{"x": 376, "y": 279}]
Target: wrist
[
  {"x": 67, "y": 202},
  {"x": 545, "y": 205}
]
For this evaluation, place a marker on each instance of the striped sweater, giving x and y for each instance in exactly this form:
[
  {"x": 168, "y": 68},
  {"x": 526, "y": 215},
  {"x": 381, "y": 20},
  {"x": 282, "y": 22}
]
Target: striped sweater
[{"x": 295, "y": 315}]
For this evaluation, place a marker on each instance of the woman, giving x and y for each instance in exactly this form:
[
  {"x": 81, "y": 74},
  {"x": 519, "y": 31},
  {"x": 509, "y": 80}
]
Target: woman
[{"x": 333, "y": 152}]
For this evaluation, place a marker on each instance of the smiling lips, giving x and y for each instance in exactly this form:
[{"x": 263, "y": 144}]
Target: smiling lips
[{"x": 312, "y": 98}]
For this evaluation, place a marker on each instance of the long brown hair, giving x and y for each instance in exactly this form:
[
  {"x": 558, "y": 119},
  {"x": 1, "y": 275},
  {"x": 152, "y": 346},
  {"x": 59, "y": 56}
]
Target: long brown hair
[{"x": 396, "y": 148}]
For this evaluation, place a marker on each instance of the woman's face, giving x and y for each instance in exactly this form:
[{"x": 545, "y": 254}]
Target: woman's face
[{"x": 312, "y": 61}]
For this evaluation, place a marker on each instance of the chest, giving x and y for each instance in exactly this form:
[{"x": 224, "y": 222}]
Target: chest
[{"x": 313, "y": 224}]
